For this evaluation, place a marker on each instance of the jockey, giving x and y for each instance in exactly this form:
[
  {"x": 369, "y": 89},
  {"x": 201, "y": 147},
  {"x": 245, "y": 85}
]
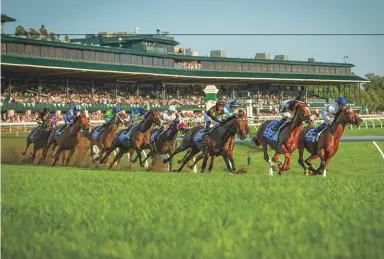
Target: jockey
[
  {"x": 42, "y": 120},
  {"x": 110, "y": 115},
  {"x": 168, "y": 116},
  {"x": 231, "y": 109},
  {"x": 139, "y": 113},
  {"x": 69, "y": 117},
  {"x": 215, "y": 113},
  {"x": 287, "y": 108},
  {"x": 329, "y": 111}
]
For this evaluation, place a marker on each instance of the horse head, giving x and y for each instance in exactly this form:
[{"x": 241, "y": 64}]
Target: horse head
[
  {"x": 241, "y": 123},
  {"x": 302, "y": 112},
  {"x": 346, "y": 115},
  {"x": 120, "y": 118},
  {"x": 83, "y": 121}
]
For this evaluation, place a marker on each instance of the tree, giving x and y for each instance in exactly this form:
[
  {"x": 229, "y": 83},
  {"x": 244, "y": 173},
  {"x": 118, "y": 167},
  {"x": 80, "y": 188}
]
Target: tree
[
  {"x": 33, "y": 34},
  {"x": 66, "y": 38},
  {"x": 52, "y": 36},
  {"x": 44, "y": 32},
  {"x": 20, "y": 31}
]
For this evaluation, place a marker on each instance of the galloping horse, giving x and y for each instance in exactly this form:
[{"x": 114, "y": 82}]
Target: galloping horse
[
  {"x": 216, "y": 139},
  {"x": 287, "y": 139},
  {"x": 139, "y": 139},
  {"x": 328, "y": 142},
  {"x": 165, "y": 144},
  {"x": 186, "y": 143},
  {"x": 68, "y": 140},
  {"x": 39, "y": 138},
  {"x": 105, "y": 136},
  {"x": 229, "y": 145}
]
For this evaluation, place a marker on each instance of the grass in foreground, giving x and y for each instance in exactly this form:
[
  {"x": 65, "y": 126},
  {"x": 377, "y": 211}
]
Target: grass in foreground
[{"x": 81, "y": 213}]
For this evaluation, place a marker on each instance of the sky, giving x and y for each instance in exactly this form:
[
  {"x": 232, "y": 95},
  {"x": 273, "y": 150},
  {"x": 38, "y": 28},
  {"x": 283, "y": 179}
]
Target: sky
[{"x": 225, "y": 16}]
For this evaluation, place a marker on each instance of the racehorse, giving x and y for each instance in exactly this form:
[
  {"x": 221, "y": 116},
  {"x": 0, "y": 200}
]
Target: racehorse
[
  {"x": 139, "y": 139},
  {"x": 229, "y": 145},
  {"x": 215, "y": 141},
  {"x": 165, "y": 143},
  {"x": 286, "y": 141},
  {"x": 39, "y": 138},
  {"x": 328, "y": 141},
  {"x": 104, "y": 137},
  {"x": 68, "y": 139},
  {"x": 186, "y": 143}
]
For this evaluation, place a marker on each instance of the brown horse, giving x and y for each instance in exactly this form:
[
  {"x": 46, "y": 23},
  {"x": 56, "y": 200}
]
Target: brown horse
[
  {"x": 106, "y": 135},
  {"x": 69, "y": 138},
  {"x": 287, "y": 141},
  {"x": 165, "y": 143},
  {"x": 39, "y": 138},
  {"x": 328, "y": 142},
  {"x": 215, "y": 141},
  {"x": 139, "y": 139},
  {"x": 229, "y": 145}
]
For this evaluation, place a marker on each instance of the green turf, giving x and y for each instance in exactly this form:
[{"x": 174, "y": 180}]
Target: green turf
[{"x": 87, "y": 213}]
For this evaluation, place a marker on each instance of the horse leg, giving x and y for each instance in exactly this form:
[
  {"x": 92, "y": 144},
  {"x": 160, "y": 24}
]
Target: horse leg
[
  {"x": 69, "y": 156},
  {"x": 268, "y": 159},
  {"x": 301, "y": 161},
  {"x": 204, "y": 164},
  {"x": 57, "y": 155},
  {"x": 197, "y": 159},
  {"x": 149, "y": 155},
  {"x": 179, "y": 149},
  {"x": 276, "y": 159},
  {"x": 230, "y": 167},
  {"x": 287, "y": 163},
  {"x": 107, "y": 152},
  {"x": 116, "y": 158},
  {"x": 35, "y": 149},
  {"x": 211, "y": 163},
  {"x": 63, "y": 158},
  {"x": 138, "y": 152},
  {"x": 29, "y": 142},
  {"x": 309, "y": 160},
  {"x": 325, "y": 159},
  {"x": 189, "y": 157}
]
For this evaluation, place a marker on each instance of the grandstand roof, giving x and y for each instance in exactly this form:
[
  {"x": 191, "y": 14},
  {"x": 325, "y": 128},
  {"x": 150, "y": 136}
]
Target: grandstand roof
[
  {"x": 5, "y": 18},
  {"x": 43, "y": 66},
  {"x": 164, "y": 55}
]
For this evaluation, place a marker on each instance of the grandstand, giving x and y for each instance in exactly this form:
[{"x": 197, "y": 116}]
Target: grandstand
[{"x": 130, "y": 69}]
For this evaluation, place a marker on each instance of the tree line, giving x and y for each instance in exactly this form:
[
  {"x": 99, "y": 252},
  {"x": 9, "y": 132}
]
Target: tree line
[{"x": 40, "y": 34}]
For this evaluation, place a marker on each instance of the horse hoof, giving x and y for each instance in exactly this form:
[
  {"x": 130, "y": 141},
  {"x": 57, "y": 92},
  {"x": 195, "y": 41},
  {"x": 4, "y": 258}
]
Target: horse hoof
[
  {"x": 190, "y": 167},
  {"x": 179, "y": 161},
  {"x": 165, "y": 161},
  {"x": 307, "y": 172}
]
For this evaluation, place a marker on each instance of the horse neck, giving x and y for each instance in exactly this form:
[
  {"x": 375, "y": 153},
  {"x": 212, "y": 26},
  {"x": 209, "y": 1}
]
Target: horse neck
[
  {"x": 337, "y": 130},
  {"x": 75, "y": 128},
  {"x": 229, "y": 132},
  {"x": 296, "y": 122}
]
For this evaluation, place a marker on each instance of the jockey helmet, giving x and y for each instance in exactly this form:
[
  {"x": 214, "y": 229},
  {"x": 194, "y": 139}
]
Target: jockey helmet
[
  {"x": 234, "y": 103},
  {"x": 77, "y": 107},
  {"x": 300, "y": 98},
  {"x": 116, "y": 108},
  {"x": 219, "y": 103},
  {"x": 146, "y": 107},
  {"x": 342, "y": 101}
]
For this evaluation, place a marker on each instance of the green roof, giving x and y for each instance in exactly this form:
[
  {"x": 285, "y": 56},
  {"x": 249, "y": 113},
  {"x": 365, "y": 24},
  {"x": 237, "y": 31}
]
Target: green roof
[
  {"x": 172, "y": 72},
  {"x": 164, "y": 55},
  {"x": 5, "y": 18}
]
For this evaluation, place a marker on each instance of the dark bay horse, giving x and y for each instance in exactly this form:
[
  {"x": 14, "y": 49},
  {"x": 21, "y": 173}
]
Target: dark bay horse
[
  {"x": 328, "y": 142},
  {"x": 229, "y": 145},
  {"x": 186, "y": 144},
  {"x": 106, "y": 135},
  {"x": 287, "y": 140},
  {"x": 139, "y": 139},
  {"x": 215, "y": 141},
  {"x": 165, "y": 143},
  {"x": 39, "y": 138}
]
